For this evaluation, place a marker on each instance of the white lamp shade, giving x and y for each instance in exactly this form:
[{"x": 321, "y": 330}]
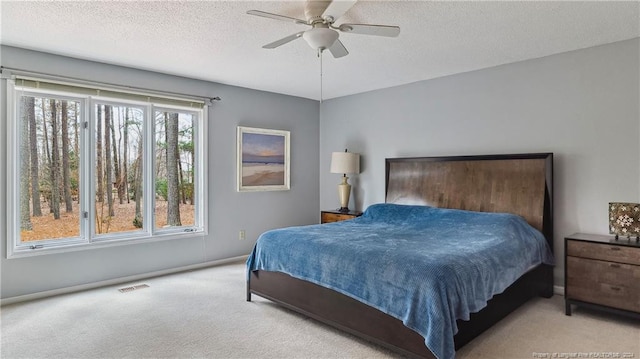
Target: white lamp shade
[
  {"x": 345, "y": 162},
  {"x": 320, "y": 37}
]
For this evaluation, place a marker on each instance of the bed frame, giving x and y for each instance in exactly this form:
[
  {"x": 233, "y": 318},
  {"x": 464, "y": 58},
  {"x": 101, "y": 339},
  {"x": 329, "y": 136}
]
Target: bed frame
[{"x": 521, "y": 184}]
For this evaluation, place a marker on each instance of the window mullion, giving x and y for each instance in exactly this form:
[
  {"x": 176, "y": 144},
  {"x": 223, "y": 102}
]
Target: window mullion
[
  {"x": 88, "y": 218},
  {"x": 149, "y": 168}
]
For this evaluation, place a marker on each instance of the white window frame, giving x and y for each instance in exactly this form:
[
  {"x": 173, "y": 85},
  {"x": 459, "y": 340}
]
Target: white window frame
[{"x": 88, "y": 238}]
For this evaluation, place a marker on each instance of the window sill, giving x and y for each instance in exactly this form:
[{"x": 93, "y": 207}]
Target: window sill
[{"x": 75, "y": 247}]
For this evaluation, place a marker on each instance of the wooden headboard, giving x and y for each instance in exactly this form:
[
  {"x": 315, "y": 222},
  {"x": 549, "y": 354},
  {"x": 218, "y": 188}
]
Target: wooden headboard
[{"x": 521, "y": 184}]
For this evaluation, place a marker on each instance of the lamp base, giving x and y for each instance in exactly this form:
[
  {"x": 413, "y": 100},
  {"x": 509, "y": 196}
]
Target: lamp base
[{"x": 344, "y": 190}]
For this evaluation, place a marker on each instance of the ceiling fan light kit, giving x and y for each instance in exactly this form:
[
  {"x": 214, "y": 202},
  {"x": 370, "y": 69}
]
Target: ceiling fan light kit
[
  {"x": 323, "y": 35},
  {"x": 320, "y": 38}
]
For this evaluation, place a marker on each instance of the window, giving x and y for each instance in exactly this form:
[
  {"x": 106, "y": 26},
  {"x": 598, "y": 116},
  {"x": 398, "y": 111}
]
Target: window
[{"x": 90, "y": 166}]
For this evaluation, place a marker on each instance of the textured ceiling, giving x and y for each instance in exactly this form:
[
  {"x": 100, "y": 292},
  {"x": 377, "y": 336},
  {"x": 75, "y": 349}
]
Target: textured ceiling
[{"x": 217, "y": 41}]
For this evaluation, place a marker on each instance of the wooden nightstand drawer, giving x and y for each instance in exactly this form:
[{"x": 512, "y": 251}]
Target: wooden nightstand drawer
[
  {"x": 606, "y": 283},
  {"x": 603, "y": 252},
  {"x": 337, "y": 216},
  {"x": 332, "y": 217}
]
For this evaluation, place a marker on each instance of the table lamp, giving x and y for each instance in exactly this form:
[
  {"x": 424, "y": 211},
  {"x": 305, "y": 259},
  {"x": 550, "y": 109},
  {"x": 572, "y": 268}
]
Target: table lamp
[
  {"x": 624, "y": 219},
  {"x": 345, "y": 162}
]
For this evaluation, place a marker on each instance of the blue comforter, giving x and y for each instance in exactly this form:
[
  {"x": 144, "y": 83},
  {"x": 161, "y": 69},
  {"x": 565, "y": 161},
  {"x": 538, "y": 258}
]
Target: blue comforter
[{"x": 423, "y": 265}]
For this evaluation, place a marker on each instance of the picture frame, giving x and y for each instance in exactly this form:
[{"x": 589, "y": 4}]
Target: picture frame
[{"x": 263, "y": 159}]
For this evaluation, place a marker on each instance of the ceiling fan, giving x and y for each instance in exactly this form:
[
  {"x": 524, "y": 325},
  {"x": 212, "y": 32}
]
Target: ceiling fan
[{"x": 323, "y": 35}]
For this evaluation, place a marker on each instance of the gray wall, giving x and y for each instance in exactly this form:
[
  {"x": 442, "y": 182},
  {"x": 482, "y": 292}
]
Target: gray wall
[
  {"x": 583, "y": 106},
  {"x": 228, "y": 211}
]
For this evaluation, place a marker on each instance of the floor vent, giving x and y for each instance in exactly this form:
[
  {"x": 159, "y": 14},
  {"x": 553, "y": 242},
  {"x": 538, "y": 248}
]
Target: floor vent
[{"x": 132, "y": 288}]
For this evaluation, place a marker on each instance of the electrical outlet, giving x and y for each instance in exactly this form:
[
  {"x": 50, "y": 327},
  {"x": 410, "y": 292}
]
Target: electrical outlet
[{"x": 242, "y": 235}]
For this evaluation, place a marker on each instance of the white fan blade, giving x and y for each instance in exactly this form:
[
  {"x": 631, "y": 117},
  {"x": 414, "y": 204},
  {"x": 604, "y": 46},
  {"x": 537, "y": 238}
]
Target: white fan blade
[
  {"x": 365, "y": 29},
  {"x": 338, "y": 49},
  {"x": 283, "y": 41},
  {"x": 276, "y": 16},
  {"x": 337, "y": 8}
]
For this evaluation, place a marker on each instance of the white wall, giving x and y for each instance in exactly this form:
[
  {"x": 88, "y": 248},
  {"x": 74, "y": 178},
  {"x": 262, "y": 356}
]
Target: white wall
[
  {"x": 583, "y": 106},
  {"x": 228, "y": 210}
]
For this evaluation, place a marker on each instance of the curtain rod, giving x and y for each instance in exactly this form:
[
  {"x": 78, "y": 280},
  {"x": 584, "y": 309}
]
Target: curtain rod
[{"x": 16, "y": 71}]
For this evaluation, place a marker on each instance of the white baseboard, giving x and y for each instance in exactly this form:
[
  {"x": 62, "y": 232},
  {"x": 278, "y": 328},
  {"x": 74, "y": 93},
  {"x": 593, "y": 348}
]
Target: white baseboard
[
  {"x": 558, "y": 290},
  {"x": 121, "y": 280}
]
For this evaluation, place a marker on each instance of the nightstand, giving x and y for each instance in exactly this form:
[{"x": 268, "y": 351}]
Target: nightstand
[
  {"x": 603, "y": 273},
  {"x": 336, "y": 216}
]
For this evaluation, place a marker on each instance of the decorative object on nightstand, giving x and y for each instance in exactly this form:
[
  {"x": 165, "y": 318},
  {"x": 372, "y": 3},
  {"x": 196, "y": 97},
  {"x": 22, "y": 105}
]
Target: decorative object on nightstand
[
  {"x": 345, "y": 163},
  {"x": 602, "y": 272},
  {"x": 624, "y": 219},
  {"x": 337, "y": 216}
]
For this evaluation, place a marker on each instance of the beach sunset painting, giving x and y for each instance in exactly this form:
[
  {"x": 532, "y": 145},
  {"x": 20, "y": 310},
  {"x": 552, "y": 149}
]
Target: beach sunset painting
[{"x": 263, "y": 159}]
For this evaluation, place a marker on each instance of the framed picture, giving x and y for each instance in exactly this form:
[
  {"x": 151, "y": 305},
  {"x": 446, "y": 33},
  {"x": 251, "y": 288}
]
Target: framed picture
[{"x": 263, "y": 159}]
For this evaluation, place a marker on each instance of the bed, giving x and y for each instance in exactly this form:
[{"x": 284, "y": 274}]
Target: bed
[{"x": 518, "y": 188}]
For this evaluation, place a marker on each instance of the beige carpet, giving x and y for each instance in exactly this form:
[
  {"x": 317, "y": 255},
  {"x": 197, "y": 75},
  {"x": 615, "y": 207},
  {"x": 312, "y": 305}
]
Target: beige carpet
[{"x": 203, "y": 314}]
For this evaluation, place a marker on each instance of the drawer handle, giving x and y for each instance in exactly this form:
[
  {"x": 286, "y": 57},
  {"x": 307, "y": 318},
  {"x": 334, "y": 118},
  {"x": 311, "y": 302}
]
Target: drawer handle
[
  {"x": 615, "y": 288},
  {"x": 613, "y": 265},
  {"x": 615, "y": 248}
]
